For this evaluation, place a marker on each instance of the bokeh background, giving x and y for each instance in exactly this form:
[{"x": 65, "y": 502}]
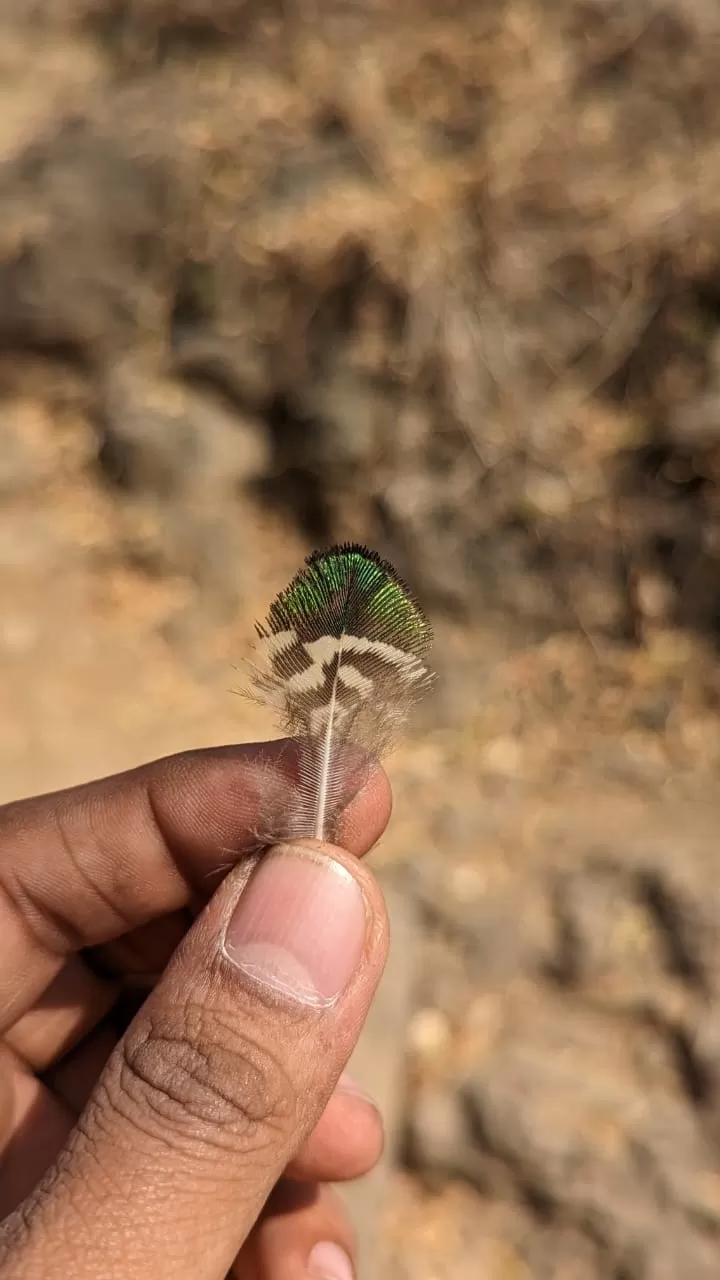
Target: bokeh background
[{"x": 443, "y": 275}]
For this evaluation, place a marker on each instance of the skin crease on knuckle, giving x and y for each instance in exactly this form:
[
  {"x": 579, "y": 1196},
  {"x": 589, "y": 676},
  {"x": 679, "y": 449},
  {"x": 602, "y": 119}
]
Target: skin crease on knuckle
[
  {"x": 183, "y": 1088},
  {"x": 189, "y": 1081}
]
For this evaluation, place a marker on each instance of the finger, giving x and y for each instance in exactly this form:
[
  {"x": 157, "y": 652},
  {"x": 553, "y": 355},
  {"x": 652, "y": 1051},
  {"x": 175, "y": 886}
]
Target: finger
[
  {"x": 35, "y": 1127},
  {"x": 347, "y": 1141},
  {"x": 78, "y": 998},
  {"x": 74, "y": 1003},
  {"x": 139, "y": 957},
  {"x": 220, "y": 1079},
  {"x": 305, "y": 1232},
  {"x": 74, "y": 1077},
  {"x": 7, "y": 1101},
  {"x": 87, "y": 865}
]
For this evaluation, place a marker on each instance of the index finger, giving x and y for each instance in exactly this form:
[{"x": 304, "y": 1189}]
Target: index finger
[{"x": 83, "y": 866}]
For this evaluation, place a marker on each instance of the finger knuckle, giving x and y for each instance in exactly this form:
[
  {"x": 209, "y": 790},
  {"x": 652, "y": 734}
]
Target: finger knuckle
[{"x": 196, "y": 1077}]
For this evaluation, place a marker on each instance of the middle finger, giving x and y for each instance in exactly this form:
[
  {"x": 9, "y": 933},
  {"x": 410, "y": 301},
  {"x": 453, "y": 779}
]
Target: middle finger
[
  {"x": 88, "y": 984},
  {"x": 74, "y": 1003}
]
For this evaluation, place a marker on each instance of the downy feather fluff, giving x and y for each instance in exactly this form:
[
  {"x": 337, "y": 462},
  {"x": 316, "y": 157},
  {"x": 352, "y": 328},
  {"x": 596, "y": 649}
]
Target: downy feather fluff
[{"x": 341, "y": 659}]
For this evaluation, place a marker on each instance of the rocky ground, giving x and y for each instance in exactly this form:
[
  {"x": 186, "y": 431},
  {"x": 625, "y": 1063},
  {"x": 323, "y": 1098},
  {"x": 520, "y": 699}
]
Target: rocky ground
[{"x": 444, "y": 277}]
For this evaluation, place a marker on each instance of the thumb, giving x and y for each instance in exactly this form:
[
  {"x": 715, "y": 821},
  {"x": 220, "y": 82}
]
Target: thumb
[{"x": 218, "y": 1081}]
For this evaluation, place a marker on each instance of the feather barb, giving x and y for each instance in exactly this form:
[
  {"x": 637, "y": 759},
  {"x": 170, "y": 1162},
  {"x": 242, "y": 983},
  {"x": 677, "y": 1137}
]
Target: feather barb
[{"x": 342, "y": 660}]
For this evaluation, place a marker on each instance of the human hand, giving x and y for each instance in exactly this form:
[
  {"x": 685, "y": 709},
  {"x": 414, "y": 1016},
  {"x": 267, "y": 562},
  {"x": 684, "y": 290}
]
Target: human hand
[{"x": 196, "y": 1142}]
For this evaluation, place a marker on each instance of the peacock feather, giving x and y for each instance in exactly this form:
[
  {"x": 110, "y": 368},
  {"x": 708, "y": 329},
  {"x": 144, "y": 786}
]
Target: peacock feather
[{"x": 341, "y": 659}]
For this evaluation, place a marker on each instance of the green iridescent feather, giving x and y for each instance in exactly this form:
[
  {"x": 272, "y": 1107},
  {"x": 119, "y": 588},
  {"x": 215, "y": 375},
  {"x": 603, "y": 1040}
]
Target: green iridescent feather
[{"x": 342, "y": 659}]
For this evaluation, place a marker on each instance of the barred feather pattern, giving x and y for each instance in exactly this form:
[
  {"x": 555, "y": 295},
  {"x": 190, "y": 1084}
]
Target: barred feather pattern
[{"x": 341, "y": 659}]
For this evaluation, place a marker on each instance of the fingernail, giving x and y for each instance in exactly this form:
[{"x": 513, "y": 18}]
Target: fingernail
[
  {"x": 299, "y": 927},
  {"x": 329, "y": 1262},
  {"x": 348, "y": 1086}
]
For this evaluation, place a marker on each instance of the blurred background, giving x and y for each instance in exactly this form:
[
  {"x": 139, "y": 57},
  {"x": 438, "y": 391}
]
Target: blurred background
[{"x": 441, "y": 275}]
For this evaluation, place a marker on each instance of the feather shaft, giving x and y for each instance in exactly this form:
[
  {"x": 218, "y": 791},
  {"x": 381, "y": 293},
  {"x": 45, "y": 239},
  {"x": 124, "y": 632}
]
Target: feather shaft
[
  {"x": 322, "y": 793},
  {"x": 327, "y": 745}
]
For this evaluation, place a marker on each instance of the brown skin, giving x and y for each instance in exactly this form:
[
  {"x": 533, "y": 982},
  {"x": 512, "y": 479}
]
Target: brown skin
[{"x": 107, "y": 1166}]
